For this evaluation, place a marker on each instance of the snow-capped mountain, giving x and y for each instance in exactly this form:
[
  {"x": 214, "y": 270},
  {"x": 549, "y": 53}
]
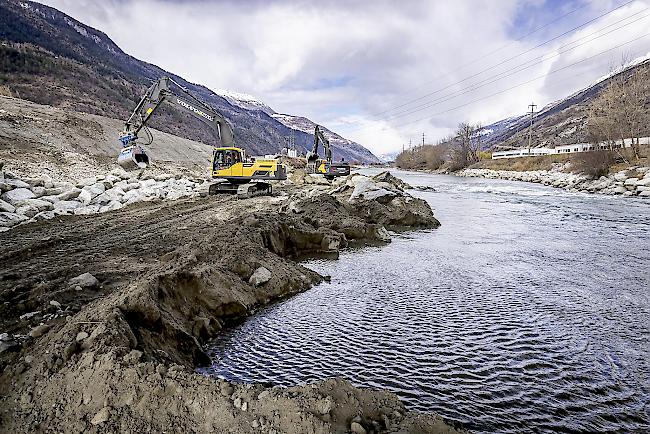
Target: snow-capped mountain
[
  {"x": 355, "y": 151},
  {"x": 245, "y": 101}
]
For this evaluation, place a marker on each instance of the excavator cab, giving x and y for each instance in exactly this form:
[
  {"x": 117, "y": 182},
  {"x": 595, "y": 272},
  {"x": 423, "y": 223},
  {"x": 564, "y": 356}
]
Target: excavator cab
[{"x": 226, "y": 158}]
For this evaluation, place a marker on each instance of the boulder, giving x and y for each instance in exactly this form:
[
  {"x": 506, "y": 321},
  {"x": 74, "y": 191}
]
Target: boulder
[
  {"x": 645, "y": 193},
  {"x": 45, "y": 215},
  {"x": 391, "y": 179},
  {"x": 39, "y": 331},
  {"x": 39, "y": 204},
  {"x": 27, "y": 210},
  {"x": 39, "y": 191},
  {"x": 102, "y": 416},
  {"x": 382, "y": 192},
  {"x": 112, "y": 206},
  {"x": 85, "y": 280},
  {"x": 101, "y": 200},
  {"x": 260, "y": 276},
  {"x": 6, "y": 207},
  {"x": 16, "y": 183},
  {"x": 631, "y": 181},
  {"x": 89, "y": 192},
  {"x": 17, "y": 194},
  {"x": 8, "y": 219},
  {"x": 67, "y": 205},
  {"x": 50, "y": 199},
  {"x": 85, "y": 210},
  {"x": 70, "y": 194}
]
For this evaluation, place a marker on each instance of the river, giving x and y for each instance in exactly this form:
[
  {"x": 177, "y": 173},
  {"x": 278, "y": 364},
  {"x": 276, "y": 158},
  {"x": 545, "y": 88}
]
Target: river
[{"x": 528, "y": 310}]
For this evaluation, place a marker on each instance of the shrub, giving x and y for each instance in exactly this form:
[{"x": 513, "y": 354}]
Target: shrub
[{"x": 593, "y": 164}]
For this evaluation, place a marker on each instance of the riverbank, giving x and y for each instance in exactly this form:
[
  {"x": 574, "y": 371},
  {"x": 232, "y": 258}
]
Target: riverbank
[
  {"x": 104, "y": 316},
  {"x": 634, "y": 181}
]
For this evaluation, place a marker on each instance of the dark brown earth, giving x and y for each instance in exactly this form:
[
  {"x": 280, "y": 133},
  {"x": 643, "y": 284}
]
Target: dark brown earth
[{"x": 120, "y": 356}]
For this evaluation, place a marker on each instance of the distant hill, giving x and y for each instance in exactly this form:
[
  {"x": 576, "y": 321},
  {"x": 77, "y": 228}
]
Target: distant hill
[
  {"x": 558, "y": 123},
  {"x": 50, "y": 58}
]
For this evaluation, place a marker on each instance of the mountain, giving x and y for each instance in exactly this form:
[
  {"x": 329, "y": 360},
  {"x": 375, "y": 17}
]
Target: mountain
[
  {"x": 50, "y": 58},
  {"x": 355, "y": 151},
  {"x": 558, "y": 123},
  {"x": 348, "y": 149},
  {"x": 245, "y": 101}
]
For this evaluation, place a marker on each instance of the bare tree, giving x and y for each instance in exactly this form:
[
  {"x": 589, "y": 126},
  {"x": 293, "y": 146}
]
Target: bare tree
[{"x": 621, "y": 111}]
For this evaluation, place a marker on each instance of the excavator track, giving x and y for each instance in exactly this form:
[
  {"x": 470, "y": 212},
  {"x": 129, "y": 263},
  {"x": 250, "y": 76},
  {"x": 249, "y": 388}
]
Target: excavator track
[{"x": 243, "y": 191}]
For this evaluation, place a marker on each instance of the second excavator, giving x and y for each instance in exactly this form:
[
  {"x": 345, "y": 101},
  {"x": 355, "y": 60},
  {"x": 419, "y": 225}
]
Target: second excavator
[
  {"x": 233, "y": 171},
  {"x": 327, "y": 167}
]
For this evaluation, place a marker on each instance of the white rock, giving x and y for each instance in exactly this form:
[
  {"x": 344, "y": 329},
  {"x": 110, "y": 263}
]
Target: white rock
[
  {"x": 45, "y": 215},
  {"x": 16, "y": 183},
  {"x": 40, "y": 205},
  {"x": 27, "y": 210},
  {"x": 102, "y": 416},
  {"x": 67, "y": 205},
  {"x": 645, "y": 193},
  {"x": 631, "y": 181},
  {"x": 70, "y": 194},
  {"x": 50, "y": 199},
  {"x": 85, "y": 210},
  {"x": 38, "y": 191},
  {"x": 260, "y": 276},
  {"x": 8, "y": 219},
  {"x": 112, "y": 206},
  {"x": 645, "y": 182},
  {"x": 620, "y": 176},
  {"x": 6, "y": 207},
  {"x": 148, "y": 183},
  {"x": 17, "y": 194},
  {"x": 101, "y": 200},
  {"x": 85, "y": 280}
]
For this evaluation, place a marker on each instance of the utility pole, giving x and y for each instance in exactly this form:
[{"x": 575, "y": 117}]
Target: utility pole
[
  {"x": 410, "y": 144},
  {"x": 532, "y": 107},
  {"x": 422, "y": 139}
]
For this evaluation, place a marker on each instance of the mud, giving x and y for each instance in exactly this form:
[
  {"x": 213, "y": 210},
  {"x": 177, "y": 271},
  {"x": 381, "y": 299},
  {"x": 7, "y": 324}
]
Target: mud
[{"x": 119, "y": 355}]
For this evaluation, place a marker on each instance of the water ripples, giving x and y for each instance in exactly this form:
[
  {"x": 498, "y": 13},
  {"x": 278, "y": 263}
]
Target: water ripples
[{"x": 527, "y": 311}]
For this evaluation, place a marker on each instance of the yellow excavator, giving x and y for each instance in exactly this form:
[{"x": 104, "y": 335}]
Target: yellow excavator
[
  {"x": 231, "y": 168},
  {"x": 325, "y": 166}
]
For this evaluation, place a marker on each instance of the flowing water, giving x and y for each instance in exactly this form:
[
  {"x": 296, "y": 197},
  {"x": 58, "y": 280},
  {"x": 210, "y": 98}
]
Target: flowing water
[{"x": 528, "y": 310}]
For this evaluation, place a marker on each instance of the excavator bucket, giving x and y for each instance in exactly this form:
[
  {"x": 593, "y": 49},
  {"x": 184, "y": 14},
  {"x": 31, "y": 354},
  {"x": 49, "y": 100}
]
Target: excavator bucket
[{"x": 133, "y": 158}]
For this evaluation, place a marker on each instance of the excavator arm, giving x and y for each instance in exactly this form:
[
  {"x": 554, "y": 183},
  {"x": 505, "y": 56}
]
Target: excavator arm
[{"x": 133, "y": 155}]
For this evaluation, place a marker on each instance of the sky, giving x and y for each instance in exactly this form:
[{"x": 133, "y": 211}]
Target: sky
[{"x": 382, "y": 72}]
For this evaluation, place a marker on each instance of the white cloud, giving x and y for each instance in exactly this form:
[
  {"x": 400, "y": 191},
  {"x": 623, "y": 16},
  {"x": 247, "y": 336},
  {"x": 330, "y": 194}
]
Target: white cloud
[{"x": 340, "y": 62}]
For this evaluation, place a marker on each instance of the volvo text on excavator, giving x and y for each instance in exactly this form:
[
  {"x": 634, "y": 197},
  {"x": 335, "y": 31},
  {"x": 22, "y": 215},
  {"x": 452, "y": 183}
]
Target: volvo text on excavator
[
  {"x": 230, "y": 166},
  {"x": 325, "y": 166}
]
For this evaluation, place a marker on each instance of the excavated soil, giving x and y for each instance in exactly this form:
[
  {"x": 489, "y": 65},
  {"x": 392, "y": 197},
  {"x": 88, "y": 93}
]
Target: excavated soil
[{"x": 120, "y": 355}]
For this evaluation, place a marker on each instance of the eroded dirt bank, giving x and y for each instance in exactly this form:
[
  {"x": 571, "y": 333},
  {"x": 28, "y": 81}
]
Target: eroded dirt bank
[{"x": 117, "y": 354}]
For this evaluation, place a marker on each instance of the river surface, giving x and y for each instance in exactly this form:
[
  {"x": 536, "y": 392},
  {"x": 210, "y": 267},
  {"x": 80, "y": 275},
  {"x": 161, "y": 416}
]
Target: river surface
[{"x": 528, "y": 310}]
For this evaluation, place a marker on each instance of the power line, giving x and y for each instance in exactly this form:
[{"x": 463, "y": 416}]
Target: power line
[
  {"x": 519, "y": 68},
  {"x": 521, "y": 38},
  {"x": 510, "y": 58},
  {"x": 527, "y": 82}
]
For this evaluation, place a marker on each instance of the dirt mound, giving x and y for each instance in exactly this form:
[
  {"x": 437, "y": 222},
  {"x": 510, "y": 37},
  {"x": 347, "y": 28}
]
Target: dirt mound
[{"x": 117, "y": 353}]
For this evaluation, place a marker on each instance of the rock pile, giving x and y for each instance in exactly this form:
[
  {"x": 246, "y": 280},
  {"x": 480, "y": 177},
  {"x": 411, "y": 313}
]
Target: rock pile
[
  {"x": 34, "y": 199},
  {"x": 634, "y": 181}
]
